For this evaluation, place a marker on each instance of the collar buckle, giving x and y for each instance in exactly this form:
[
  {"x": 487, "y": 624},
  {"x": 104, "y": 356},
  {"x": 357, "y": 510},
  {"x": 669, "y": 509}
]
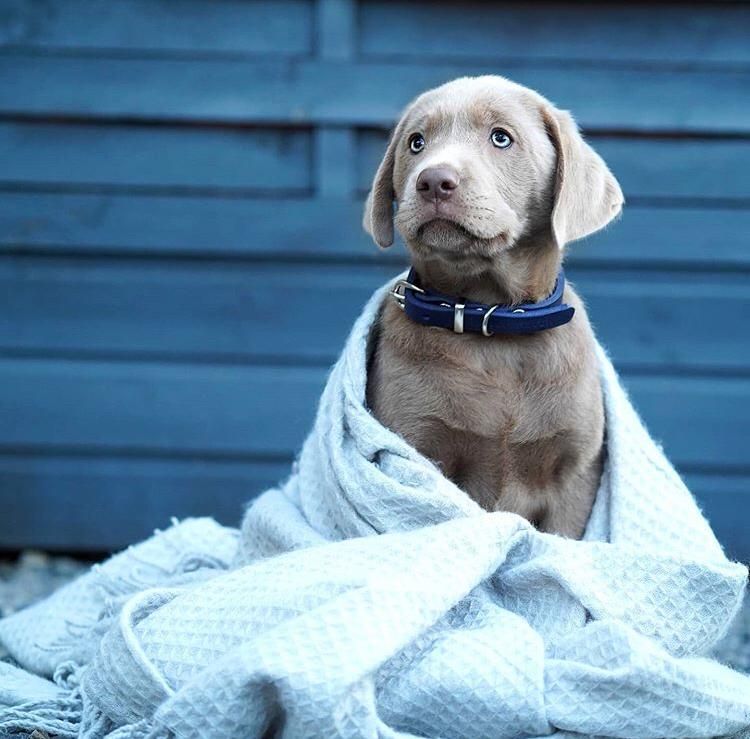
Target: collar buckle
[
  {"x": 398, "y": 291},
  {"x": 486, "y": 321}
]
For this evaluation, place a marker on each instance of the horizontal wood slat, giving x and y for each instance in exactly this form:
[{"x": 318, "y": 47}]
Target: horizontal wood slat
[
  {"x": 234, "y": 410},
  {"x": 328, "y": 92},
  {"x": 302, "y": 313},
  {"x": 637, "y": 33},
  {"x": 721, "y": 499},
  {"x": 100, "y": 504},
  {"x": 189, "y": 27},
  {"x": 647, "y": 168},
  {"x": 327, "y": 228},
  {"x": 63, "y": 501},
  {"x": 709, "y": 33},
  {"x": 156, "y": 408},
  {"x": 80, "y": 155},
  {"x": 83, "y": 155}
]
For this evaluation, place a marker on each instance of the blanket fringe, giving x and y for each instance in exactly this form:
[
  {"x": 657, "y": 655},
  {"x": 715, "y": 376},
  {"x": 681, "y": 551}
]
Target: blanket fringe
[{"x": 60, "y": 717}]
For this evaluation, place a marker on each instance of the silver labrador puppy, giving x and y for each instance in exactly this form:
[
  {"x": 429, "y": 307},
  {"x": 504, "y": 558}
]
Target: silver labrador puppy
[{"x": 491, "y": 181}]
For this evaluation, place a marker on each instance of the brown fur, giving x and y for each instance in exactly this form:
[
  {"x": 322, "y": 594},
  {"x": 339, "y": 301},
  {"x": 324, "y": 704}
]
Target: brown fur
[{"x": 516, "y": 421}]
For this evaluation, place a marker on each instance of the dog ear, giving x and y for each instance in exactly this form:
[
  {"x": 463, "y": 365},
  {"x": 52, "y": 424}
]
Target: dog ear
[
  {"x": 378, "y": 216},
  {"x": 587, "y": 195}
]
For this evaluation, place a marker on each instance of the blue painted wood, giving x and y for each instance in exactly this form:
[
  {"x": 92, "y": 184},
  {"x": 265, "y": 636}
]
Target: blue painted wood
[
  {"x": 64, "y": 499},
  {"x": 230, "y": 313},
  {"x": 640, "y": 33},
  {"x": 312, "y": 91},
  {"x": 709, "y": 33},
  {"x": 648, "y": 169},
  {"x": 170, "y": 168},
  {"x": 678, "y": 409},
  {"x": 189, "y": 27},
  {"x": 700, "y": 169},
  {"x": 327, "y": 228},
  {"x": 724, "y": 500},
  {"x": 234, "y": 411},
  {"x": 671, "y": 236},
  {"x": 336, "y": 29},
  {"x": 78, "y": 154},
  {"x": 334, "y": 152},
  {"x": 152, "y": 408},
  {"x": 95, "y": 503},
  {"x": 334, "y": 155},
  {"x": 83, "y": 155}
]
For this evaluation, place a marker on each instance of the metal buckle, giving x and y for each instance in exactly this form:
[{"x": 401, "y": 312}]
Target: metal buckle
[
  {"x": 486, "y": 321},
  {"x": 403, "y": 285}
]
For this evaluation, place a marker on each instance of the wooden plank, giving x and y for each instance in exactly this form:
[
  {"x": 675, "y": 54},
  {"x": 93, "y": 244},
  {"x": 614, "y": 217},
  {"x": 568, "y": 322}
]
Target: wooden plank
[
  {"x": 701, "y": 169},
  {"x": 335, "y": 29},
  {"x": 162, "y": 408},
  {"x": 230, "y": 313},
  {"x": 701, "y": 33},
  {"x": 233, "y": 411},
  {"x": 721, "y": 497},
  {"x": 62, "y": 503},
  {"x": 672, "y": 237},
  {"x": 334, "y": 162},
  {"x": 706, "y": 32},
  {"x": 325, "y": 229},
  {"x": 653, "y": 168},
  {"x": 334, "y": 150},
  {"x": 315, "y": 91},
  {"x": 189, "y": 225},
  {"x": 59, "y": 502},
  {"x": 157, "y": 26},
  {"x": 699, "y": 420},
  {"x": 155, "y": 156}
]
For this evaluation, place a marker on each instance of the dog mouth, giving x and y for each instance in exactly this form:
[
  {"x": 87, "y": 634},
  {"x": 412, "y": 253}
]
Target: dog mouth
[
  {"x": 442, "y": 229},
  {"x": 451, "y": 237}
]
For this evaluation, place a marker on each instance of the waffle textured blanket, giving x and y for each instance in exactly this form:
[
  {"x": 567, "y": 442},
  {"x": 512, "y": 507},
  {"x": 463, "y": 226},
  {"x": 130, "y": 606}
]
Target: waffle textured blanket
[{"x": 370, "y": 597}]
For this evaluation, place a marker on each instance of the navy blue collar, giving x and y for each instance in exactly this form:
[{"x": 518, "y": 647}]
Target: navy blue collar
[{"x": 434, "y": 309}]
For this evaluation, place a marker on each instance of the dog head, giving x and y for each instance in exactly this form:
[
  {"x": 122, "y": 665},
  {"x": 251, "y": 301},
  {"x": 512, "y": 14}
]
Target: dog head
[{"x": 477, "y": 165}]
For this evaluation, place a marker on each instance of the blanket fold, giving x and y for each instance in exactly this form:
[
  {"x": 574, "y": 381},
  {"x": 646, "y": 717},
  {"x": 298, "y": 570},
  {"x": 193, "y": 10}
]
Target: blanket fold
[{"x": 368, "y": 596}]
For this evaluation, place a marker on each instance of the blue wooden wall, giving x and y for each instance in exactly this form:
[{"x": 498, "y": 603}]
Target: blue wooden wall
[{"x": 171, "y": 171}]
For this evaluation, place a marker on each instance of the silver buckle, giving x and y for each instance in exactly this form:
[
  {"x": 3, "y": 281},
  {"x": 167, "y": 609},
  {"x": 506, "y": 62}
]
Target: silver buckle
[
  {"x": 402, "y": 285},
  {"x": 486, "y": 319}
]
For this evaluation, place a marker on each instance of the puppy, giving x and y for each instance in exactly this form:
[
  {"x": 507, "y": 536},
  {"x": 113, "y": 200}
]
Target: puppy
[{"x": 490, "y": 182}]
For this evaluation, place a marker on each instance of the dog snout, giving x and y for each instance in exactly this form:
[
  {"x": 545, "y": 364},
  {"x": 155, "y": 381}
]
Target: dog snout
[{"x": 437, "y": 183}]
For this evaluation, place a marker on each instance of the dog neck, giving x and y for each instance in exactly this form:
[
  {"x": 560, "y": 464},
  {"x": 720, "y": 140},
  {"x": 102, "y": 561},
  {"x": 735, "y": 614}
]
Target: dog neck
[{"x": 525, "y": 272}]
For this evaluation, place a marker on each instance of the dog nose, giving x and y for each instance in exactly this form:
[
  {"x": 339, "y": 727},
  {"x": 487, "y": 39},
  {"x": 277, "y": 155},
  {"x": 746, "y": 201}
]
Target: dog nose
[{"x": 437, "y": 183}]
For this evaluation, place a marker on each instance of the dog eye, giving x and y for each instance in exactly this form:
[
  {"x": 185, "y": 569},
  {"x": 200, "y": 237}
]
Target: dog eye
[
  {"x": 416, "y": 143},
  {"x": 501, "y": 138}
]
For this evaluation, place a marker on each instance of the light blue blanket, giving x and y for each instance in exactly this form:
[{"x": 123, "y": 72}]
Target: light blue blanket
[{"x": 370, "y": 597}]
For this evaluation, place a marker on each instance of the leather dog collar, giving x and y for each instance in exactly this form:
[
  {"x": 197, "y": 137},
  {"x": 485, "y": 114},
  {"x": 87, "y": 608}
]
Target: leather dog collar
[{"x": 431, "y": 308}]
